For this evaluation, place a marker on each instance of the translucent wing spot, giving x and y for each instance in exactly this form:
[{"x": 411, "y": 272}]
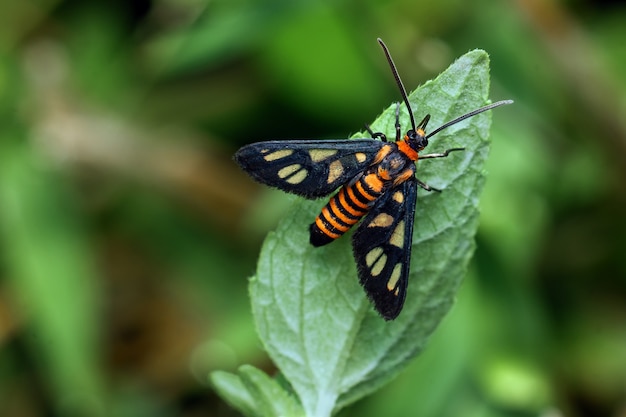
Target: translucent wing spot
[
  {"x": 334, "y": 171},
  {"x": 394, "y": 278},
  {"x": 318, "y": 155},
  {"x": 298, "y": 177},
  {"x": 372, "y": 255},
  {"x": 293, "y": 174},
  {"x": 378, "y": 266},
  {"x": 382, "y": 220},
  {"x": 376, "y": 260},
  {"x": 288, "y": 170},
  {"x": 397, "y": 237},
  {"x": 398, "y": 197},
  {"x": 360, "y": 157},
  {"x": 277, "y": 155}
]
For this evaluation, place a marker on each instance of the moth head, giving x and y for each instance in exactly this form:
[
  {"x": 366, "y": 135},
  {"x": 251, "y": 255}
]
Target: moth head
[{"x": 416, "y": 138}]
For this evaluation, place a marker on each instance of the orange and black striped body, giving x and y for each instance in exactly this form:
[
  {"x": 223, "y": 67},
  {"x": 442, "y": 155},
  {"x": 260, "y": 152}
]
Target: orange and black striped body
[
  {"x": 377, "y": 187},
  {"x": 345, "y": 209},
  {"x": 391, "y": 166}
]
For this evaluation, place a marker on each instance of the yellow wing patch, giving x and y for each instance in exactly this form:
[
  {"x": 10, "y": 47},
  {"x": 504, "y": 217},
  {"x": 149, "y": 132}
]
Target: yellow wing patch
[
  {"x": 382, "y": 220},
  {"x": 373, "y": 255},
  {"x": 293, "y": 174},
  {"x": 283, "y": 153},
  {"x": 298, "y": 177},
  {"x": 395, "y": 277},
  {"x": 334, "y": 171},
  {"x": 397, "y": 237},
  {"x": 318, "y": 155},
  {"x": 376, "y": 260}
]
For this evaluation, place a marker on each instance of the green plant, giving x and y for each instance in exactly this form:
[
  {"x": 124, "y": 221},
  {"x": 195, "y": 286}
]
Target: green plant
[{"x": 316, "y": 323}]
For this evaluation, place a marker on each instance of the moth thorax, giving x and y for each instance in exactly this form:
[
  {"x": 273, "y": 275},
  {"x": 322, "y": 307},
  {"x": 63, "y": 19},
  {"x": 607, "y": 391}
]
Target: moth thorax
[{"x": 391, "y": 166}]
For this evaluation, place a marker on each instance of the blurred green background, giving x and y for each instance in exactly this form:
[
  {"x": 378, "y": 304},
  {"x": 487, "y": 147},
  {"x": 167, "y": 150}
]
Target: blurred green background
[{"x": 128, "y": 234}]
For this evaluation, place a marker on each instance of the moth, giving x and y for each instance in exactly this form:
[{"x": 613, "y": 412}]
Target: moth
[{"x": 377, "y": 186}]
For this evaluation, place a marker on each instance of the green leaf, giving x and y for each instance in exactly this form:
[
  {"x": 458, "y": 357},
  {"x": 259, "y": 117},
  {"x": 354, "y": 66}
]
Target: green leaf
[
  {"x": 312, "y": 315},
  {"x": 232, "y": 389},
  {"x": 255, "y": 394}
]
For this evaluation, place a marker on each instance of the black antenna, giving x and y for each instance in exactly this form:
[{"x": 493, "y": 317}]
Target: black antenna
[
  {"x": 398, "y": 81},
  {"x": 467, "y": 115},
  {"x": 408, "y": 105}
]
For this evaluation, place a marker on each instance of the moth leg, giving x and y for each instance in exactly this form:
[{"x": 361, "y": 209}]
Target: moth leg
[
  {"x": 381, "y": 135},
  {"x": 426, "y": 186},
  {"x": 440, "y": 155},
  {"x": 375, "y": 135},
  {"x": 435, "y": 155}
]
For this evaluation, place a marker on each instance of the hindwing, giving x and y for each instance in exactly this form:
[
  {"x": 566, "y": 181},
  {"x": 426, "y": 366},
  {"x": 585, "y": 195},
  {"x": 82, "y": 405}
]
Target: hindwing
[
  {"x": 382, "y": 248},
  {"x": 307, "y": 168}
]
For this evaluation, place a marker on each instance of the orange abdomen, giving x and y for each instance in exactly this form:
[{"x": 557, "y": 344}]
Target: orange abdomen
[{"x": 345, "y": 209}]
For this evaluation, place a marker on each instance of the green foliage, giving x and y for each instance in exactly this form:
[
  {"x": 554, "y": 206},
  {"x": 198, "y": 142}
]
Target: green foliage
[
  {"x": 52, "y": 274},
  {"x": 125, "y": 237},
  {"x": 49, "y": 270},
  {"x": 313, "y": 318},
  {"x": 256, "y": 394}
]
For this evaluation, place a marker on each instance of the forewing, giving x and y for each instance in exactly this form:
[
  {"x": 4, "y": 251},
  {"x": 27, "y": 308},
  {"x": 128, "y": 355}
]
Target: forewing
[
  {"x": 382, "y": 249},
  {"x": 307, "y": 168}
]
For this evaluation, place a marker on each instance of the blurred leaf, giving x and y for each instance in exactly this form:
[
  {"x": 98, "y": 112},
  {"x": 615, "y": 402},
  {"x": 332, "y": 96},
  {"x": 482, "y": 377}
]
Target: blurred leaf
[
  {"x": 256, "y": 394},
  {"x": 512, "y": 383},
  {"x": 232, "y": 389},
  {"x": 513, "y": 226},
  {"x": 19, "y": 17},
  {"x": 220, "y": 30},
  {"x": 313, "y": 318},
  {"x": 52, "y": 275},
  {"x": 323, "y": 84}
]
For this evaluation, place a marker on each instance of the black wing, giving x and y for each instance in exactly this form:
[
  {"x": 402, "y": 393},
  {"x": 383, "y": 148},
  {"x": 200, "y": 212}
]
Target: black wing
[
  {"x": 382, "y": 249},
  {"x": 307, "y": 168}
]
